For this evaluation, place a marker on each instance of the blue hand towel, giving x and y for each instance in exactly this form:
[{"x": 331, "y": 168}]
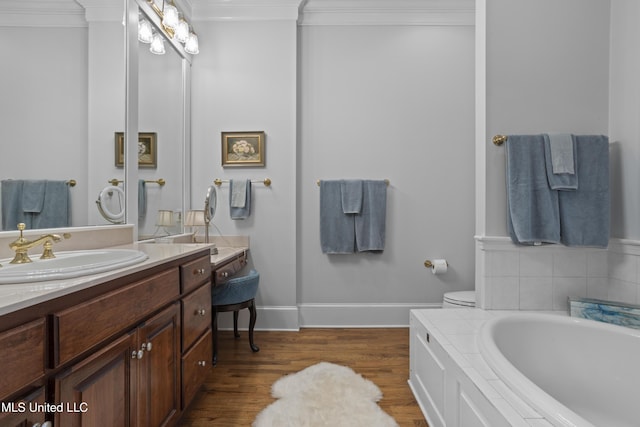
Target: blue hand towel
[
  {"x": 563, "y": 180},
  {"x": 240, "y": 212},
  {"x": 337, "y": 232},
  {"x": 532, "y": 207},
  {"x": 238, "y": 193},
  {"x": 584, "y": 213},
  {"x": 351, "y": 192},
  {"x": 55, "y": 209},
  {"x": 562, "y": 152},
  {"x": 33, "y": 195},
  {"x": 12, "y": 212},
  {"x": 370, "y": 224},
  {"x": 142, "y": 199}
]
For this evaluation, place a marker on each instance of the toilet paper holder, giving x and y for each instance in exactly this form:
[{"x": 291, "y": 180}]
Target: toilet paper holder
[{"x": 429, "y": 264}]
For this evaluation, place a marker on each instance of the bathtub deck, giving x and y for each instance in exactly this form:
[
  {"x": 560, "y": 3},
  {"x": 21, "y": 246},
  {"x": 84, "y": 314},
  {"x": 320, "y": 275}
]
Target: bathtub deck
[{"x": 455, "y": 330}]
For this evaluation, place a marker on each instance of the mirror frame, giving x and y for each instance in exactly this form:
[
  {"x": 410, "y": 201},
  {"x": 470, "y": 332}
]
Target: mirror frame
[{"x": 132, "y": 8}]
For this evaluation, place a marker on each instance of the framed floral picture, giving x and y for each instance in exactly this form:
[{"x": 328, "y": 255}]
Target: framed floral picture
[
  {"x": 241, "y": 149},
  {"x": 147, "y": 149}
]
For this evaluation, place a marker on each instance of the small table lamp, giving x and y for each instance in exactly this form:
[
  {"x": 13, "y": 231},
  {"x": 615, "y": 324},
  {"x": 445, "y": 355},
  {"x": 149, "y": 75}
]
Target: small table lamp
[
  {"x": 195, "y": 218},
  {"x": 165, "y": 219}
]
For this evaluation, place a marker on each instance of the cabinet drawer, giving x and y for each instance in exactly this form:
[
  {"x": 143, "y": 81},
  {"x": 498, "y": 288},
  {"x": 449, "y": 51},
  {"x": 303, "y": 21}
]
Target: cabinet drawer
[
  {"x": 196, "y": 315},
  {"x": 195, "y": 273},
  {"x": 81, "y": 327},
  {"x": 25, "y": 411},
  {"x": 227, "y": 271},
  {"x": 23, "y": 356},
  {"x": 196, "y": 365}
]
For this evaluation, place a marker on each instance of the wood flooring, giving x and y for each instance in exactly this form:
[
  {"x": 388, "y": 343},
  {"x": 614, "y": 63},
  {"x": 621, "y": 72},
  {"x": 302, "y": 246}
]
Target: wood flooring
[{"x": 239, "y": 387}]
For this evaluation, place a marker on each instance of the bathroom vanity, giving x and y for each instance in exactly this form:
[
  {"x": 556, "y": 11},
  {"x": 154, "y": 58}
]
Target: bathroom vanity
[{"x": 129, "y": 347}]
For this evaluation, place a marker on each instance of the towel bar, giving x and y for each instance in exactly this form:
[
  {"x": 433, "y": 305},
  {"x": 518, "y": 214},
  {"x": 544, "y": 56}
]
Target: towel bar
[
  {"x": 267, "y": 182},
  {"x": 160, "y": 181},
  {"x": 71, "y": 183},
  {"x": 386, "y": 182}
]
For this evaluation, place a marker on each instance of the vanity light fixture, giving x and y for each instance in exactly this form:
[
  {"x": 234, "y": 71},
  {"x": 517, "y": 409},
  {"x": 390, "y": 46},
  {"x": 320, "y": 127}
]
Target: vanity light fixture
[
  {"x": 145, "y": 31},
  {"x": 157, "y": 45},
  {"x": 175, "y": 25}
]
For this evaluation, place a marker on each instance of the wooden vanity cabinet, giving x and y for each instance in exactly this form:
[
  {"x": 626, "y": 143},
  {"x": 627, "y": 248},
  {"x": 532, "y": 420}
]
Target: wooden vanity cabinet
[
  {"x": 115, "y": 356},
  {"x": 21, "y": 414}
]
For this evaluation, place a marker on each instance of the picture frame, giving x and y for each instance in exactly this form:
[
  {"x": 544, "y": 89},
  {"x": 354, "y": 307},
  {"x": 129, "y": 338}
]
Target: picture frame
[
  {"x": 147, "y": 149},
  {"x": 243, "y": 149}
]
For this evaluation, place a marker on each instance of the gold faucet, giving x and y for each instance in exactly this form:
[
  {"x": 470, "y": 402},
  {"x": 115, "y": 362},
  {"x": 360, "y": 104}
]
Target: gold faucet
[{"x": 21, "y": 245}]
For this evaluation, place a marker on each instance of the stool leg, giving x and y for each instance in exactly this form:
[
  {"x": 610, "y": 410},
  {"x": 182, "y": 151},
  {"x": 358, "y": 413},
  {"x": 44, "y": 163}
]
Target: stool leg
[
  {"x": 214, "y": 314},
  {"x": 235, "y": 324},
  {"x": 252, "y": 324}
]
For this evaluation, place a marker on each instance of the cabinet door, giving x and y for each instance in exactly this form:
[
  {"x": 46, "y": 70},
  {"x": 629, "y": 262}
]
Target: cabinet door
[
  {"x": 101, "y": 390},
  {"x": 159, "y": 385},
  {"x": 25, "y": 412}
]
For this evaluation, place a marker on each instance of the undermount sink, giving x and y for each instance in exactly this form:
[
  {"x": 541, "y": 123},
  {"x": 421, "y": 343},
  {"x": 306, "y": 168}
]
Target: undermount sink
[{"x": 69, "y": 264}]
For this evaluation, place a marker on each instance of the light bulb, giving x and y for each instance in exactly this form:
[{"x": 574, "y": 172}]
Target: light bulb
[
  {"x": 170, "y": 17},
  {"x": 145, "y": 33},
  {"x": 157, "y": 45},
  {"x": 182, "y": 31},
  {"x": 191, "y": 45}
]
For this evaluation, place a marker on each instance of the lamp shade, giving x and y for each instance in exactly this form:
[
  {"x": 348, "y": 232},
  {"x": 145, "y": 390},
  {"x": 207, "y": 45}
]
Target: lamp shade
[
  {"x": 145, "y": 32},
  {"x": 164, "y": 218},
  {"x": 194, "y": 218},
  {"x": 191, "y": 45},
  {"x": 157, "y": 45},
  {"x": 170, "y": 16}
]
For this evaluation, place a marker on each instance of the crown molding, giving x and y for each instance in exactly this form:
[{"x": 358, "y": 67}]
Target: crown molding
[
  {"x": 245, "y": 10},
  {"x": 388, "y": 12},
  {"x": 41, "y": 13}
]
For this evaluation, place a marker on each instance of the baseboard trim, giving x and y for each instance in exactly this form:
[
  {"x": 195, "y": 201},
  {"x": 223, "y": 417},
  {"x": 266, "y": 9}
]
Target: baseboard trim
[
  {"x": 357, "y": 315},
  {"x": 275, "y": 318}
]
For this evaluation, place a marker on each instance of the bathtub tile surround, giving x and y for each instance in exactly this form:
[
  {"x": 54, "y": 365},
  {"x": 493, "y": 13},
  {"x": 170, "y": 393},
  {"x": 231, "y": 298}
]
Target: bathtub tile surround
[
  {"x": 449, "y": 336},
  {"x": 511, "y": 277},
  {"x": 606, "y": 311}
]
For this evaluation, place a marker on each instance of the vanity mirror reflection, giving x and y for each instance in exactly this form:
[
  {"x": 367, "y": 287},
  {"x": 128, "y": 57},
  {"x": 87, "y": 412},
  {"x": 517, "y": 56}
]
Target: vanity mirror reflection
[{"x": 65, "y": 98}]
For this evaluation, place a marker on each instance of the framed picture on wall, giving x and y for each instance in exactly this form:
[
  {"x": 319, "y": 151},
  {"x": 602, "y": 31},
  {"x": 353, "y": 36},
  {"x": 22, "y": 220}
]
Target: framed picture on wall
[
  {"x": 242, "y": 149},
  {"x": 147, "y": 150}
]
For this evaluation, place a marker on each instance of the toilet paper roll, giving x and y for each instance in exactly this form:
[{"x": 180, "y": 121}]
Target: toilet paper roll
[{"x": 439, "y": 266}]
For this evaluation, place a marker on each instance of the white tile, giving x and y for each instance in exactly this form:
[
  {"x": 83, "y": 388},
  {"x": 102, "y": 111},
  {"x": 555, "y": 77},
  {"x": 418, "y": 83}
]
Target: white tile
[
  {"x": 502, "y": 263},
  {"x": 521, "y": 407},
  {"x": 597, "y": 263},
  {"x": 535, "y": 262},
  {"x": 623, "y": 267},
  {"x": 538, "y": 422},
  {"x": 597, "y": 287},
  {"x": 622, "y": 291},
  {"x": 464, "y": 343},
  {"x": 478, "y": 363},
  {"x": 564, "y": 287},
  {"x": 569, "y": 263},
  {"x": 536, "y": 293},
  {"x": 505, "y": 293}
]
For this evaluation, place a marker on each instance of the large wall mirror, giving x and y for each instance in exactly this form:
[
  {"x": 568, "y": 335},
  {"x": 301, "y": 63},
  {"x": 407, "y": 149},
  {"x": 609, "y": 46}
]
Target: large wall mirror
[{"x": 63, "y": 82}]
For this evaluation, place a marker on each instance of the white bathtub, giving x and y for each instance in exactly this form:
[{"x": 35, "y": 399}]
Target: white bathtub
[{"x": 575, "y": 372}]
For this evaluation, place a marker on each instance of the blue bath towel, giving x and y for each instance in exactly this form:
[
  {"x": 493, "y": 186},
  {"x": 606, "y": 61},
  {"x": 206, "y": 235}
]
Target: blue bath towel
[
  {"x": 584, "y": 213},
  {"x": 351, "y": 192},
  {"x": 370, "y": 224},
  {"x": 33, "y": 195},
  {"x": 55, "y": 209},
  {"x": 532, "y": 207},
  {"x": 142, "y": 199},
  {"x": 557, "y": 156},
  {"x": 337, "y": 230},
  {"x": 240, "y": 212},
  {"x": 12, "y": 213}
]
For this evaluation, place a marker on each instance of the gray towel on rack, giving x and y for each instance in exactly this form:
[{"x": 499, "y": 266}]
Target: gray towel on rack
[
  {"x": 12, "y": 213},
  {"x": 561, "y": 180},
  {"x": 351, "y": 194},
  {"x": 337, "y": 229},
  {"x": 532, "y": 207},
  {"x": 142, "y": 199},
  {"x": 240, "y": 212},
  {"x": 370, "y": 224},
  {"x": 584, "y": 213},
  {"x": 55, "y": 209},
  {"x": 238, "y": 191},
  {"x": 33, "y": 195}
]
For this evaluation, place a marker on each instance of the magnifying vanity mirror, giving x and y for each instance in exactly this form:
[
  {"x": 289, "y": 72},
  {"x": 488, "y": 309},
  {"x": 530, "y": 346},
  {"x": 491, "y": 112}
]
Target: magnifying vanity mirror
[{"x": 210, "y": 204}]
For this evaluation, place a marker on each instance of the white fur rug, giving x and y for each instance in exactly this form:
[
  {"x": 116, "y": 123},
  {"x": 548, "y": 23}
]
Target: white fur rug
[{"x": 324, "y": 395}]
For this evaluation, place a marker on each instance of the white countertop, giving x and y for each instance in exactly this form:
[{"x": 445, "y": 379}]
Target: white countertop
[{"x": 14, "y": 297}]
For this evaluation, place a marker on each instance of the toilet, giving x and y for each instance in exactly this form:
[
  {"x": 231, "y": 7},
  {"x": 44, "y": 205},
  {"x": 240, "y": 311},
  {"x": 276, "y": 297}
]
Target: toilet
[{"x": 460, "y": 299}]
